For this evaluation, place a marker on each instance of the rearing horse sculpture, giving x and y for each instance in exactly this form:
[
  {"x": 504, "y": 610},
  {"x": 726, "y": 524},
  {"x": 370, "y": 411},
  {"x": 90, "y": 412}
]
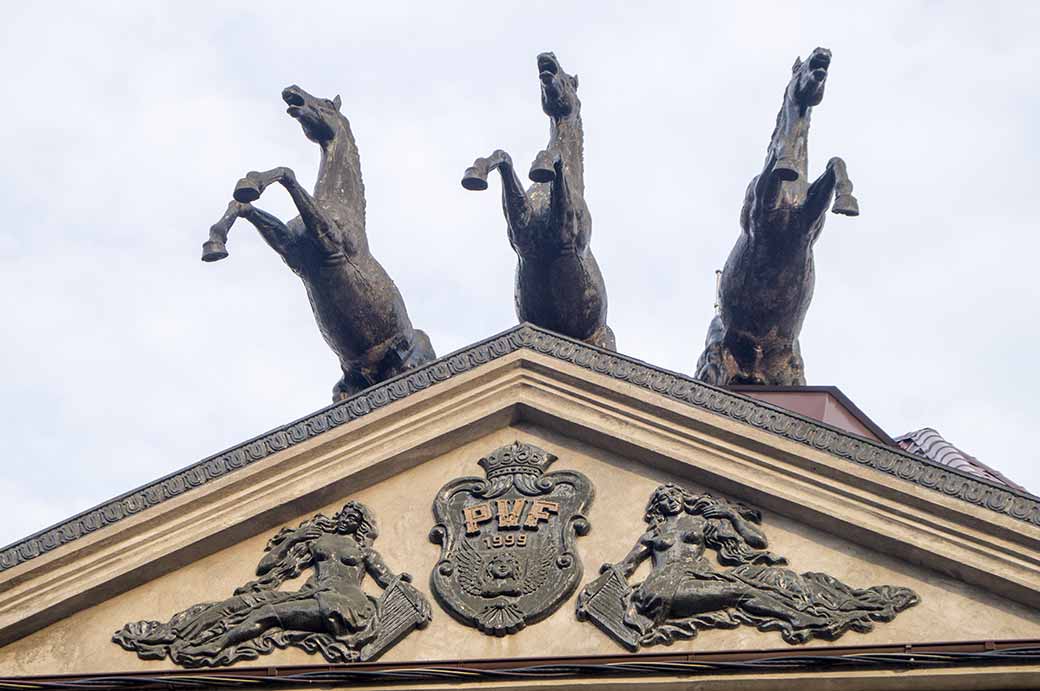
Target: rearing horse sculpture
[
  {"x": 768, "y": 280},
  {"x": 358, "y": 308},
  {"x": 558, "y": 282}
]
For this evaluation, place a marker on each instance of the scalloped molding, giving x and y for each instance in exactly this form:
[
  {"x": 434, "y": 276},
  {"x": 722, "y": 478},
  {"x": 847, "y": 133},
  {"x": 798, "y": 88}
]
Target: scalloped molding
[{"x": 890, "y": 460}]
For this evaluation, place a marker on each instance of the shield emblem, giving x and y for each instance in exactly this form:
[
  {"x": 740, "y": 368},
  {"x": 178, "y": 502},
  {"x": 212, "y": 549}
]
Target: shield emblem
[{"x": 507, "y": 541}]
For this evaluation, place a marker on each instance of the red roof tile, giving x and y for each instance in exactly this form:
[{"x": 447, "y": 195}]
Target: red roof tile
[{"x": 929, "y": 443}]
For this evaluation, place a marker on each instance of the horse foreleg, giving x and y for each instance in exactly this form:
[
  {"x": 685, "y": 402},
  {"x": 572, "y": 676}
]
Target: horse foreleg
[
  {"x": 275, "y": 233},
  {"x": 567, "y": 211},
  {"x": 215, "y": 248},
  {"x": 764, "y": 190},
  {"x": 515, "y": 204},
  {"x": 544, "y": 166},
  {"x": 844, "y": 203},
  {"x": 314, "y": 218},
  {"x": 833, "y": 182}
]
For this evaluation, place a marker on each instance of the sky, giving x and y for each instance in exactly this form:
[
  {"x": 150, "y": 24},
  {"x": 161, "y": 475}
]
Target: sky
[{"x": 126, "y": 125}]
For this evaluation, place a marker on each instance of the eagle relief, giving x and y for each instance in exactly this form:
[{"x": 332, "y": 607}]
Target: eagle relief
[{"x": 507, "y": 541}]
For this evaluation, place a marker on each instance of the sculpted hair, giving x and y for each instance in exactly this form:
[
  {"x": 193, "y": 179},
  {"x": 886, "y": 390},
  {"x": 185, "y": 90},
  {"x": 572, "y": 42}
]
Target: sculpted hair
[
  {"x": 720, "y": 534},
  {"x": 298, "y": 557}
]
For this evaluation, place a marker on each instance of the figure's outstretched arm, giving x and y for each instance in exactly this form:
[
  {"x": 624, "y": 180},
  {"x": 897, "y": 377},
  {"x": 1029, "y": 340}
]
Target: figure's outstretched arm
[
  {"x": 379, "y": 571},
  {"x": 751, "y": 533},
  {"x": 637, "y": 555}
]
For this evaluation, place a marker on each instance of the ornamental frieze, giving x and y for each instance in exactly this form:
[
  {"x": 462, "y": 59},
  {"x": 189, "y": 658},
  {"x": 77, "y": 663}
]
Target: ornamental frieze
[
  {"x": 507, "y": 540},
  {"x": 892, "y": 461}
]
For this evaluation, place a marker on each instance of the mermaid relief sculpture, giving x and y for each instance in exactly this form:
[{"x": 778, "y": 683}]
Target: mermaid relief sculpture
[
  {"x": 768, "y": 280},
  {"x": 558, "y": 282},
  {"x": 330, "y": 613},
  {"x": 685, "y": 591},
  {"x": 358, "y": 308}
]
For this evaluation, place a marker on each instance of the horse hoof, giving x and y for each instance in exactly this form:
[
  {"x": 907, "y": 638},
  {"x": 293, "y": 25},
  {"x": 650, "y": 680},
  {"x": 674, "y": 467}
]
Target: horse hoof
[
  {"x": 542, "y": 174},
  {"x": 247, "y": 190},
  {"x": 543, "y": 169},
  {"x": 474, "y": 180},
  {"x": 213, "y": 251},
  {"x": 846, "y": 205}
]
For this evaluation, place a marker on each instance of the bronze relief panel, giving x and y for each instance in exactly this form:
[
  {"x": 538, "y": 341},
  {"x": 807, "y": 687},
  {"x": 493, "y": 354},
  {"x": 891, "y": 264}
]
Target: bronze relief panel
[
  {"x": 507, "y": 540},
  {"x": 329, "y": 613},
  {"x": 688, "y": 536}
]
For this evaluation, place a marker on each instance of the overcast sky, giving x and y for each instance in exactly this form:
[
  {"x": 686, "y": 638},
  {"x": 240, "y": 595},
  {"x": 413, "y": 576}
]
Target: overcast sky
[{"x": 126, "y": 125}]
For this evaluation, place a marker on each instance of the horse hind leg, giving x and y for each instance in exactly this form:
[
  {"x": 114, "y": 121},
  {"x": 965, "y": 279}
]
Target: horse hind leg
[
  {"x": 844, "y": 201},
  {"x": 406, "y": 352}
]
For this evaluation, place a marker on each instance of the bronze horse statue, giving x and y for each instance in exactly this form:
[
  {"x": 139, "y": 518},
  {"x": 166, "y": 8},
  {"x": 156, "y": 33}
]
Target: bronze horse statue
[
  {"x": 558, "y": 282},
  {"x": 767, "y": 283},
  {"x": 358, "y": 308}
]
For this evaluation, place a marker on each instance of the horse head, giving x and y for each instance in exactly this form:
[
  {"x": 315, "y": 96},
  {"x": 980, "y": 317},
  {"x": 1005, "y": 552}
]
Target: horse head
[
  {"x": 808, "y": 78},
  {"x": 319, "y": 117},
  {"x": 559, "y": 89}
]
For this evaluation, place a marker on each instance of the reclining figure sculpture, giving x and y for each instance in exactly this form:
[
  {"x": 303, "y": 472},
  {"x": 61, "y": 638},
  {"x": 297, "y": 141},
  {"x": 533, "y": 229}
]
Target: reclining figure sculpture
[
  {"x": 358, "y": 308},
  {"x": 767, "y": 283},
  {"x": 558, "y": 283}
]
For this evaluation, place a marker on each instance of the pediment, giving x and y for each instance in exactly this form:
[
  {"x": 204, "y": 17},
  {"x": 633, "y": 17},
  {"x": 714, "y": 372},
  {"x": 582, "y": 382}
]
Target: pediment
[{"x": 830, "y": 502}]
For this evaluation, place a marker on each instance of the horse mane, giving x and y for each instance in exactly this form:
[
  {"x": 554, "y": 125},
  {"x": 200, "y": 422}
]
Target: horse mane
[
  {"x": 349, "y": 160},
  {"x": 581, "y": 139},
  {"x": 780, "y": 114}
]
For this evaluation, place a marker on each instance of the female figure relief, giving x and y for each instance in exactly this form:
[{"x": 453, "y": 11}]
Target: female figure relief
[
  {"x": 330, "y": 613},
  {"x": 686, "y": 592}
]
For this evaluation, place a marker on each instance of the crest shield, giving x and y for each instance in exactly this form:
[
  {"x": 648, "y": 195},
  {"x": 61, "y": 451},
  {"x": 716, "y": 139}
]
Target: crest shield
[{"x": 507, "y": 541}]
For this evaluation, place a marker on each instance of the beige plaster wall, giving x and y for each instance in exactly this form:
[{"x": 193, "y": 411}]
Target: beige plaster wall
[{"x": 949, "y": 610}]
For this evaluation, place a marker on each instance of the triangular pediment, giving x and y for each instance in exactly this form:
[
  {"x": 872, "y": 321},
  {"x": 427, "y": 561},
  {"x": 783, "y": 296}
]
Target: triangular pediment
[{"x": 830, "y": 502}]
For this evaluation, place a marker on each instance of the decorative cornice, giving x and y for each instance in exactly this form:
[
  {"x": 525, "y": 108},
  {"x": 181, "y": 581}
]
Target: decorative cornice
[
  {"x": 892, "y": 461},
  {"x": 610, "y": 671}
]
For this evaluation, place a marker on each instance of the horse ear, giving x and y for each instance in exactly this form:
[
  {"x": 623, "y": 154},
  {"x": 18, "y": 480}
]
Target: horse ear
[
  {"x": 797, "y": 64},
  {"x": 575, "y": 78},
  {"x": 337, "y": 101}
]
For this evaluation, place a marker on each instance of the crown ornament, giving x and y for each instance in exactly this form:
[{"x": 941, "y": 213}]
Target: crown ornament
[{"x": 516, "y": 459}]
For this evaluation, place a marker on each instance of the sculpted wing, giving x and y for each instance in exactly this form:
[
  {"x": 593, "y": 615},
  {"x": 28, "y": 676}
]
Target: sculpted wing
[
  {"x": 538, "y": 566},
  {"x": 470, "y": 567}
]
